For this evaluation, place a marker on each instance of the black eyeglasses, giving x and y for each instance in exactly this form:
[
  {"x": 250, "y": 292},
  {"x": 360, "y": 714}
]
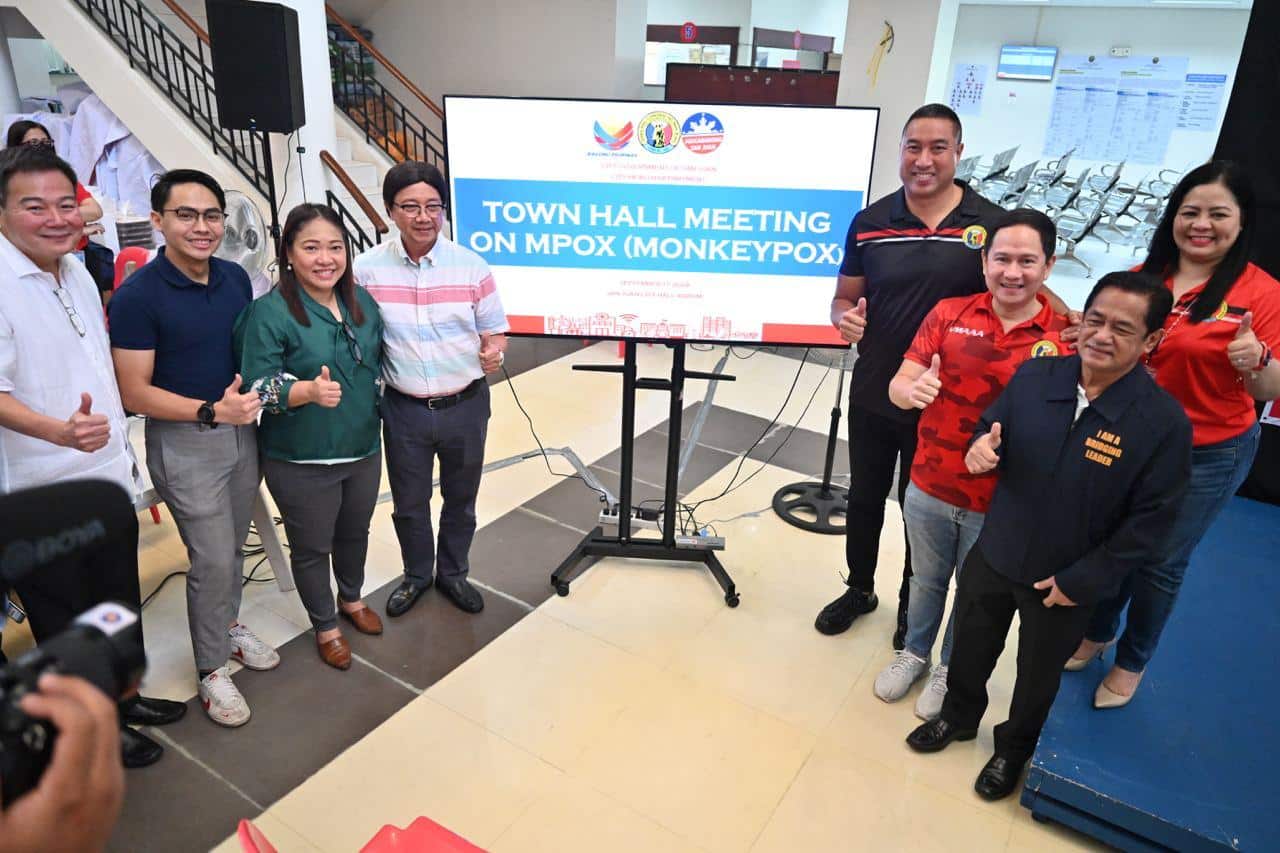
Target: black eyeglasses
[
  {"x": 356, "y": 352},
  {"x": 412, "y": 209},
  {"x": 188, "y": 215}
]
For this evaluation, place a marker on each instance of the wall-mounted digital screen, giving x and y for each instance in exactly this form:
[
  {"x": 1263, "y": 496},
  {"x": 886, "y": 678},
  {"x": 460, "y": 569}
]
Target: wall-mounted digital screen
[{"x": 1026, "y": 62}]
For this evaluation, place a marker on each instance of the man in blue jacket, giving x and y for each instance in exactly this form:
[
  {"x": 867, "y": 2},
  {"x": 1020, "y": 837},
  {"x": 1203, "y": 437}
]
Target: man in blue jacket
[{"x": 1094, "y": 459}]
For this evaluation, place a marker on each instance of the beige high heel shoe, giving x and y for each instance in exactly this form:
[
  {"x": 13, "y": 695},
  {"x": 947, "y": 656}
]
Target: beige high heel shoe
[
  {"x": 1104, "y": 698},
  {"x": 1075, "y": 664}
]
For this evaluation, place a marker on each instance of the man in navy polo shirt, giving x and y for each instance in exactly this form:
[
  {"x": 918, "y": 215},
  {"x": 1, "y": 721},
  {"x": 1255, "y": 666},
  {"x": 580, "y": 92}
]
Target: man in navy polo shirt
[
  {"x": 171, "y": 328},
  {"x": 904, "y": 253}
]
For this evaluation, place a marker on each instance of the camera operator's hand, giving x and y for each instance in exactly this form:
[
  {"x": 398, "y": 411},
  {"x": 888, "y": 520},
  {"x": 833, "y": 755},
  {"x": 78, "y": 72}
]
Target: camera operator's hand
[
  {"x": 84, "y": 430},
  {"x": 76, "y": 803}
]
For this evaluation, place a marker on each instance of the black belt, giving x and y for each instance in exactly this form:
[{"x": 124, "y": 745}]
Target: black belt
[{"x": 435, "y": 404}]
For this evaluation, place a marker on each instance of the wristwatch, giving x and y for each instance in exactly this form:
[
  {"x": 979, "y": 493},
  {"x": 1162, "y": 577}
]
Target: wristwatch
[
  {"x": 1264, "y": 359},
  {"x": 204, "y": 415}
]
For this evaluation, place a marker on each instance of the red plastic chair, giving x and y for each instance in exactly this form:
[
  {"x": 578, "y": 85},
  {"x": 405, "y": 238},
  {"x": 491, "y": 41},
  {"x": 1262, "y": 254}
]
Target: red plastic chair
[
  {"x": 127, "y": 262},
  {"x": 422, "y": 836}
]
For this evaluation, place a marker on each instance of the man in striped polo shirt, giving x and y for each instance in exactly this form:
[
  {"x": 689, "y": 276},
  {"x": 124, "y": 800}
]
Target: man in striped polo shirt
[{"x": 444, "y": 330}]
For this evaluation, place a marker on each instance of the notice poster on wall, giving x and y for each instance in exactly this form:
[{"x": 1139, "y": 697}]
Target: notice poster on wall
[
  {"x": 1115, "y": 109},
  {"x": 966, "y": 89},
  {"x": 1202, "y": 101},
  {"x": 630, "y": 219}
]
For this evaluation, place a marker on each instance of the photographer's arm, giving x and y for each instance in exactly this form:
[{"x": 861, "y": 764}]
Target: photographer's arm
[{"x": 78, "y": 800}]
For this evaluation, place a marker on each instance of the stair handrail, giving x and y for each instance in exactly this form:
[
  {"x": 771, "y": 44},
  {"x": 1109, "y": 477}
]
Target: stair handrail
[
  {"x": 359, "y": 238},
  {"x": 380, "y": 59},
  {"x": 182, "y": 15}
]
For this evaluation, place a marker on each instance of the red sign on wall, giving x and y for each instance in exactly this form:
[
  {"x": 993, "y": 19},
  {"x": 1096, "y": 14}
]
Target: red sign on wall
[{"x": 688, "y": 32}]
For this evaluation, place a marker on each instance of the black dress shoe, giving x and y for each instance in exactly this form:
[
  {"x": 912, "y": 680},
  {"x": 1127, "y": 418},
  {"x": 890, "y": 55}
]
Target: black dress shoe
[
  {"x": 138, "y": 750},
  {"x": 934, "y": 735},
  {"x": 999, "y": 778},
  {"x": 837, "y": 616},
  {"x": 145, "y": 711},
  {"x": 404, "y": 597},
  {"x": 900, "y": 633},
  {"x": 463, "y": 595}
]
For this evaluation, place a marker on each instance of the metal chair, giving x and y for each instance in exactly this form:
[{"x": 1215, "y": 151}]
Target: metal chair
[
  {"x": 1014, "y": 189},
  {"x": 966, "y": 168},
  {"x": 1076, "y": 223},
  {"x": 999, "y": 166}
]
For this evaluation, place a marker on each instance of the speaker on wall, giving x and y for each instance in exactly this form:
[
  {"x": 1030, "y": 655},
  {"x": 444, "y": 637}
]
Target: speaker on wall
[{"x": 257, "y": 65}]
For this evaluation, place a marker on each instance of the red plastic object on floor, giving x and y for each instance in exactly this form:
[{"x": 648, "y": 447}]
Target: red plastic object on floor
[
  {"x": 252, "y": 840},
  {"x": 422, "y": 836}
]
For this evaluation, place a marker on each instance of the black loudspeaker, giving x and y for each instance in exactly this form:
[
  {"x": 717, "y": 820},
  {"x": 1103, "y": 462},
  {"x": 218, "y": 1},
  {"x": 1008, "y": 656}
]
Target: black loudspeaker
[{"x": 257, "y": 65}]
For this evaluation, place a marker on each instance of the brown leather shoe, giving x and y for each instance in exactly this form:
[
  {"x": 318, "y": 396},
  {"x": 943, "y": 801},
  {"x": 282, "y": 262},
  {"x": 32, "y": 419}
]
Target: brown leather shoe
[
  {"x": 364, "y": 619},
  {"x": 336, "y": 653}
]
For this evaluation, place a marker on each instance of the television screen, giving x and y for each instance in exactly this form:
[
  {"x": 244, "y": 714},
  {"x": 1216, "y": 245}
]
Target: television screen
[
  {"x": 634, "y": 219},
  {"x": 1026, "y": 62}
]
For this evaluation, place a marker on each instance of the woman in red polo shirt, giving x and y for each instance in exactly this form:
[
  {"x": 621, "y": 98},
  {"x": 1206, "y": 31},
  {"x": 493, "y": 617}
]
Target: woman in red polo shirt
[
  {"x": 1215, "y": 359},
  {"x": 964, "y": 354}
]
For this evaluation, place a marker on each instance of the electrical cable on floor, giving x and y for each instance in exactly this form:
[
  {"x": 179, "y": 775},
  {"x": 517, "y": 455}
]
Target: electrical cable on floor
[
  {"x": 249, "y": 550},
  {"x": 545, "y": 458}
]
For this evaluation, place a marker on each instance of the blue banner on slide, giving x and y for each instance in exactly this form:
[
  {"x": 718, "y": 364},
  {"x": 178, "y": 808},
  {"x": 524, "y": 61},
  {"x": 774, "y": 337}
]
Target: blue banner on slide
[{"x": 616, "y": 226}]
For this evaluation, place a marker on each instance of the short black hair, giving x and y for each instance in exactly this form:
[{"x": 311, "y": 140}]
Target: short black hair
[
  {"x": 1159, "y": 299},
  {"x": 164, "y": 185},
  {"x": 936, "y": 111},
  {"x": 1031, "y": 218},
  {"x": 30, "y": 158},
  {"x": 19, "y": 129},
  {"x": 407, "y": 174}
]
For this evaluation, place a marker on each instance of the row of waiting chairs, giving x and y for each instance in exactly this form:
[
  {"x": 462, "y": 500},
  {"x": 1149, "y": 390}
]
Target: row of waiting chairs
[{"x": 1092, "y": 204}]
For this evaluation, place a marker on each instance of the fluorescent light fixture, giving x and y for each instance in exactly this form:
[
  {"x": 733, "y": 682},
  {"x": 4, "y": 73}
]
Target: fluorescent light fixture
[{"x": 1195, "y": 2}]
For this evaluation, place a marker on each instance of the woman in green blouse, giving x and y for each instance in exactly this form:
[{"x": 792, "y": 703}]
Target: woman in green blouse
[{"x": 312, "y": 348}]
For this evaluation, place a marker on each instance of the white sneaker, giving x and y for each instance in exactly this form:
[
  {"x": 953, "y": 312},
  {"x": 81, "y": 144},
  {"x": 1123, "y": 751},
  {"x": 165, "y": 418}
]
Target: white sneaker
[
  {"x": 222, "y": 700},
  {"x": 248, "y": 649},
  {"x": 896, "y": 679},
  {"x": 929, "y": 705}
]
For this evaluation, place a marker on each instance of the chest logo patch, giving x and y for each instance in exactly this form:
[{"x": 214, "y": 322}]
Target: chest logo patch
[
  {"x": 1221, "y": 313},
  {"x": 1044, "y": 349},
  {"x": 975, "y": 236},
  {"x": 1103, "y": 448}
]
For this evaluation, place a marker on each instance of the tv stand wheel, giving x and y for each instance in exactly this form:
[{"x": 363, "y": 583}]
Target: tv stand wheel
[
  {"x": 731, "y": 599},
  {"x": 562, "y": 588}
]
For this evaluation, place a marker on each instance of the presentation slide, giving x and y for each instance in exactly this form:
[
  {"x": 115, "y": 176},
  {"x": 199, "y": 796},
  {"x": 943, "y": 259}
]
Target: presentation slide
[{"x": 638, "y": 219}]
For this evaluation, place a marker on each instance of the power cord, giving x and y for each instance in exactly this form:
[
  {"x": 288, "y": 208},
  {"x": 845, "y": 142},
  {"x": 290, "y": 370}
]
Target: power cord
[
  {"x": 545, "y": 458},
  {"x": 248, "y": 550}
]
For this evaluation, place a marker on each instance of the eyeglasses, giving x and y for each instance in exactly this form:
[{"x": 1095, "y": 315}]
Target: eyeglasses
[
  {"x": 413, "y": 209},
  {"x": 188, "y": 215},
  {"x": 65, "y": 299},
  {"x": 356, "y": 352}
]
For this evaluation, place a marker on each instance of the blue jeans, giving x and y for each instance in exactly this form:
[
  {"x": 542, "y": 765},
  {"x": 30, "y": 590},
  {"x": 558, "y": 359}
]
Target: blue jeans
[
  {"x": 941, "y": 535},
  {"x": 1217, "y": 470}
]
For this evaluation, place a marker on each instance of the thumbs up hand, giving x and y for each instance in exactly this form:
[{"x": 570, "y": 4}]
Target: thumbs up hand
[
  {"x": 927, "y": 385},
  {"x": 324, "y": 391},
  {"x": 85, "y": 431},
  {"x": 237, "y": 408},
  {"x": 983, "y": 456},
  {"x": 490, "y": 353},
  {"x": 1245, "y": 350},
  {"x": 853, "y": 323}
]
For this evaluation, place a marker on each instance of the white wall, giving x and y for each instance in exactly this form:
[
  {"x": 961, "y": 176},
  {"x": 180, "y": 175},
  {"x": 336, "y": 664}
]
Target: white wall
[
  {"x": 31, "y": 67},
  {"x": 556, "y": 48},
  {"x": 1018, "y": 111},
  {"x": 816, "y": 17}
]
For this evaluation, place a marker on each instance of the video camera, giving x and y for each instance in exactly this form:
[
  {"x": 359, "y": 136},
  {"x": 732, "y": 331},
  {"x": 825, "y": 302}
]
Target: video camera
[{"x": 79, "y": 520}]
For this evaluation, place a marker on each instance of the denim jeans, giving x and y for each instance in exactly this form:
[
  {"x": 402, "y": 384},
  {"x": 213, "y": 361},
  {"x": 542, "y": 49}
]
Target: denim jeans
[
  {"x": 1217, "y": 470},
  {"x": 941, "y": 535}
]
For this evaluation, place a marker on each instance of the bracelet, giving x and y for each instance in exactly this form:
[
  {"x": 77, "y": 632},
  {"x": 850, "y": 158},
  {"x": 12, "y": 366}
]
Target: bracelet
[{"x": 1264, "y": 359}]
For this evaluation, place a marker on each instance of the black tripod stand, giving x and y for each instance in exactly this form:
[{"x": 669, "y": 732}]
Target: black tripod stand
[
  {"x": 827, "y": 504},
  {"x": 671, "y": 548}
]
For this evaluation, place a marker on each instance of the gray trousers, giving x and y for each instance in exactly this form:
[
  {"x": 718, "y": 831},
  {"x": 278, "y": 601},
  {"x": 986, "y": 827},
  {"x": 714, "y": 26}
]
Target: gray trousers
[
  {"x": 209, "y": 480},
  {"x": 326, "y": 511},
  {"x": 415, "y": 437}
]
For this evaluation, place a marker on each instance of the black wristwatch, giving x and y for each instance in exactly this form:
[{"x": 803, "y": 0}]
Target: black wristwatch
[{"x": 204, "y": 414}]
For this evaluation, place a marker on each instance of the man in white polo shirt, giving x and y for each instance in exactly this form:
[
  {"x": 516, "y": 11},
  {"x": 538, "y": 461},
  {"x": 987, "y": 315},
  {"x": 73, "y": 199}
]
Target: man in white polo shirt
[
  {"x": 444, "y": 330},
  {"x": 60, "y": 413}
]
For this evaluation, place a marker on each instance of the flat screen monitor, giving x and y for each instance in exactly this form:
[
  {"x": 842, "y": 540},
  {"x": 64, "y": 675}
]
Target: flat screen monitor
[
  {"x": 700, "y": 222},
  {"x": 1026, "y": 62}
]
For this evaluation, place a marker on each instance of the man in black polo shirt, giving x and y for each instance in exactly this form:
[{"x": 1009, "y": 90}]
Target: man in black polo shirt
[
  {"x": 1094, "y": 459},
  {"x": 920, "y": 244},
  {"x": 171, "y": 326}
]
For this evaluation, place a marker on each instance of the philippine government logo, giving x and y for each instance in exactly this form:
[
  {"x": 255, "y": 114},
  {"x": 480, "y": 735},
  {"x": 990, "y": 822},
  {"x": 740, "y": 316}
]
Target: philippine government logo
[
  {"x": 702, "y": 133},
  {"x": 975, "y": 236},
  {"x": 614, "y": 140},
  {"x": 659, "y": 132},
  {"x": 1044, "y": 349}
]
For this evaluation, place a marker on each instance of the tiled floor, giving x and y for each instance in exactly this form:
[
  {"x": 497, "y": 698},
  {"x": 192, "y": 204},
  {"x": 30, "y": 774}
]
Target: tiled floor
[{"x": 638, "y": 713}]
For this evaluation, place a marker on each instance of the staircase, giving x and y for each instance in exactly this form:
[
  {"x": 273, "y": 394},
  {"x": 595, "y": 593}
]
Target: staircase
[{"x": 173, "y": 111}]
